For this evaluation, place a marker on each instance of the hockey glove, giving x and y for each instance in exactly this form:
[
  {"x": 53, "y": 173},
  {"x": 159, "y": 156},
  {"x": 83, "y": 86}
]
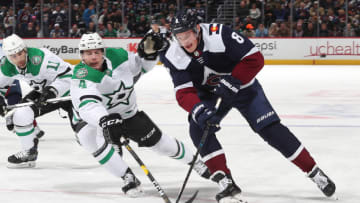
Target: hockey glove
[
  {"x": 151, "y": 45},
  {"x": 228, "y": 87},
  {"x": 10, "y": 122},
  {"x": 203, "y": 116},
  {"x": 32, "y": 96},
  {"x": 3, "y": 106},
  {"x": 48, "y": 92},
  {"x": 112, "y": 127}
]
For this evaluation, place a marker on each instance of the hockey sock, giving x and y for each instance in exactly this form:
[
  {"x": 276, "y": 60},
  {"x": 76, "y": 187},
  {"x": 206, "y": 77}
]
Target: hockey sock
[
  {"x": 173, "y": 148},
  {"x": 303, "y": 159},
  {"x": 26, "y": 135},
  {"x": 111, "y": 160},
  {"x": 217, "y": 162}
]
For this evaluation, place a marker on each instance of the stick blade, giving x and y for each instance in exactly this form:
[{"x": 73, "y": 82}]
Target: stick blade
[{"x": 192, "y": 197}]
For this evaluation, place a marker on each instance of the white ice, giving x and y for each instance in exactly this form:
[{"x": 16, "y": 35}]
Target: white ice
[{"x": 320, "y": 105}]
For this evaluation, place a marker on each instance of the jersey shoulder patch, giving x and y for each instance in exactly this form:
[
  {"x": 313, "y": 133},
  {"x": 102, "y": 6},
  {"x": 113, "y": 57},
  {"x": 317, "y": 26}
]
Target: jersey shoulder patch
[
  {"x": 116, "y": 56},
  {"x": 85, "y": 72},
  {"x": 7, "y": 68},
  {"x": 213, "y": 41},
  {"x": 35, "y": 59},
  {"x": 177, "y": 56}
]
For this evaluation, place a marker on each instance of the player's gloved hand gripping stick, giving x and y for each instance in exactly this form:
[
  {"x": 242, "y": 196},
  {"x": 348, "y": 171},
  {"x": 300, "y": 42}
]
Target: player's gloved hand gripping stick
[
  {"x": 10, "y": 108},
  {"x": 208, "y": 126},
  {"x": 112, "y": 127}
]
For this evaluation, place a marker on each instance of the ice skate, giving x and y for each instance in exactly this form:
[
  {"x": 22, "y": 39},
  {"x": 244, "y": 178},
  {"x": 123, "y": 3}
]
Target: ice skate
[
  {"x": 24, "y": 159},
  {"x": 201, "y": 169},
  {"x": 229, "y": 191},
  {"x": 131, "y": 184},
  {"x": 326, "y": 185}
]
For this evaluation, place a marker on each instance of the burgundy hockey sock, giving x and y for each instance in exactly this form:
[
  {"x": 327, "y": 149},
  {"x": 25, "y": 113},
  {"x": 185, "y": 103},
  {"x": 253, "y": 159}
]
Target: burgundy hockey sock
[
  {"x": 304, "y": 161},
  {"x": 217, "y": 163}
]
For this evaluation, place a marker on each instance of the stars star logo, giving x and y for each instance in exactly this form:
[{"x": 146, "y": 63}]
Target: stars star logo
[
  {"x": 38, "y": 86},
  {"x": 119, "y": 96}
]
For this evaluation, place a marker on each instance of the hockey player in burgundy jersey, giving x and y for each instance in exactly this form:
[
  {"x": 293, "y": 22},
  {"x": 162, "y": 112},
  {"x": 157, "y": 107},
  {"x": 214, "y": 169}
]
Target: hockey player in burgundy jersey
[{"x": 207, "y": 61}]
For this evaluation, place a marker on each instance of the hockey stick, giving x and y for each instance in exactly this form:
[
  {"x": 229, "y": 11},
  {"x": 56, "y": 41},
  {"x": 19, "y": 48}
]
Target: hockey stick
[
  {"x": 54, "y": 100},
  {"x": 201, "y": 144},
  {"x": 150, "y": 176}
]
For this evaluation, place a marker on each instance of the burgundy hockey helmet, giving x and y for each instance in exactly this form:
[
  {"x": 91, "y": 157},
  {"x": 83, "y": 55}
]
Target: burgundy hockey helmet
[{"x": 184, "y": 20}]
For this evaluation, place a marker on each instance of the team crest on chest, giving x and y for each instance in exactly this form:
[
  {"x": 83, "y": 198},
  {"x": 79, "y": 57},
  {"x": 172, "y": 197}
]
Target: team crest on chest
[
  {"x": 81, "y": 73},
  {"x": 36, "y": 60},
  {"x": 119, "y": 96}
]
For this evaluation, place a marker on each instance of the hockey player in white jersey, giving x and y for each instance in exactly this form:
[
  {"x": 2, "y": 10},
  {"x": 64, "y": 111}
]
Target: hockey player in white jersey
[
  {"x": 48, "y": 75},
  {"x": 102, "y": 91}
]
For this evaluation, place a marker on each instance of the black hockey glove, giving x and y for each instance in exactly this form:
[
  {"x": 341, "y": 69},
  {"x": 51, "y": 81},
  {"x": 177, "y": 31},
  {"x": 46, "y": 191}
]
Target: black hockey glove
[
  {"x": 48, "y": 92},
  {"x": 32, "y": 96},
  {"x": 9, "y": 122},
  {"x": 150, "y": 46},
  {"x": 3, "y": 106},
  {"x": 203, "y": 115},
  {"x": 112, "y": 127},
  {"x": 228, "y": 87}
]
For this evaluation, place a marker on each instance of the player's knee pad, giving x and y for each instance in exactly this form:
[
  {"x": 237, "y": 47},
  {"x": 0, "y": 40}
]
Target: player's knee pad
[
  {"x": 23, "y": 116},
  {"x": 141, "y": 129},
  {"x": 280, "y": 137}
]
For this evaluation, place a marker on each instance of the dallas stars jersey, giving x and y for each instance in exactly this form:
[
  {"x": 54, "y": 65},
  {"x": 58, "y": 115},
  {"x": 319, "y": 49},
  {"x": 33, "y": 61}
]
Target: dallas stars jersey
[
  {"x": 43, "y": 68},
  {"x": 97, "y": 93}
]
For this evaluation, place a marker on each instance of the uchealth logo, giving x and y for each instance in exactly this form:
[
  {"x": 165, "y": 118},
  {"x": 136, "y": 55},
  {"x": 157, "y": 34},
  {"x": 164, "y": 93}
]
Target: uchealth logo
[{"x": 329, "y": 49}]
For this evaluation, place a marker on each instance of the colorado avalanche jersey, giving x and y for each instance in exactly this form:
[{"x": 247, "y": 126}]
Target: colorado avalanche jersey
[
  {"x": 97, "y": 93},
  {"x": 43, "y": 68},
  {"x": 220, "y": 52}
]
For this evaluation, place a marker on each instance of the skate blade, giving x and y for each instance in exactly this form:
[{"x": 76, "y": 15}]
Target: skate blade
[{"x": 29, "y": 164}]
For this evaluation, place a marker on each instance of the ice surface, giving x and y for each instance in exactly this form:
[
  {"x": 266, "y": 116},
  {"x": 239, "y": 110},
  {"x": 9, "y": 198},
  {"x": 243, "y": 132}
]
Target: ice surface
[{"x": 320, "y": 105}]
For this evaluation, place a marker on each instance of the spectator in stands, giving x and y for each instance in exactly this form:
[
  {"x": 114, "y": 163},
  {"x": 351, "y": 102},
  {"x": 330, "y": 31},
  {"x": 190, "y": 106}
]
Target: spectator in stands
[
  {"x": 123, "y": 31},
  {"x": 117, "y": 16},
  {"x": 280, "y": 12},
  {"x": 58, "y": 17},
  {"x": 255, "y": 13},
  {"x": 298, "y": 31},
  {"x": 261, "y": 31},
  {"x": 142, "y": 26},
  {"x": 243, "y": 10},
  {"x": 89, "y": 14},
  {"x": 101, "y": 30},
  {"x": 284, "y": 30},
  {"x": 75, "y": 31},
  {"x": 76, "y": 15},
  {"x": 249, "y": 31},
  {"x": 92, "y": 27},
  {"x": 273, "y": 30},
  {"x": 110, "y": 31},
  {"x": 57, "y": 32},
  {"x": 323, "y": 30},
  {"x": 269, "y": 15},
  {"x": 9, "y": 22},
  {"x": 309, "y": 30},
  {"x": 30, "y": 31}
]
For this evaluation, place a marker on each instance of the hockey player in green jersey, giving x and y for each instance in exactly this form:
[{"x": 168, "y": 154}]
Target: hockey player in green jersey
[
  {"x": 48, "y": 75},
  {"x": 102, "y": 91}
]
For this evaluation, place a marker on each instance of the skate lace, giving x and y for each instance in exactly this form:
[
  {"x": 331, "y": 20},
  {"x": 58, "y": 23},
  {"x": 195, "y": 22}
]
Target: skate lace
[
  {"x": 22, "y": 154},
  {"x": 320, "y": 180},
  {"x": 200, "y": 167}
]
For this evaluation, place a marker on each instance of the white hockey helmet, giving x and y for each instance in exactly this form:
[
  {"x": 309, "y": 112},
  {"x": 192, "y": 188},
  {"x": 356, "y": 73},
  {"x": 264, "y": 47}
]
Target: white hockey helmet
[
  {"x": 91, "y": 41},
  {"x": 13, "y": 44}
]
